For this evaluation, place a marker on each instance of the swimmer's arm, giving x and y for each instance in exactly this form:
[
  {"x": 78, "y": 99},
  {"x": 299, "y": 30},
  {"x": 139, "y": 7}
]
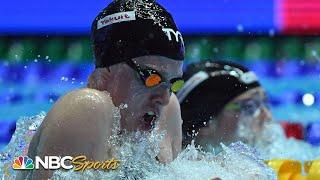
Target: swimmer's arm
[
  {"x": 74, "y": 127},
  {"x": 174, "y": 125}
]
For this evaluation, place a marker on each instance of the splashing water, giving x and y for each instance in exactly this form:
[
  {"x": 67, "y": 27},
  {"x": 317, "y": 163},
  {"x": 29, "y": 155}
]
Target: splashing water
[
  {"x": 236, "y": 161},
  {"x": 274, "y": 144},
  {"x": 137, "y": 152},
  {"x": 19, "y": 143}
]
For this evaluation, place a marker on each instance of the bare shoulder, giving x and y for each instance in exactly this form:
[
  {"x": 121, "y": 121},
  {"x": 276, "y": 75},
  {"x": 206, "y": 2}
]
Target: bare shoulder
[
  {"x": 76, "y": 124},
  {"x": 83, "y": 107},
  {"x": 84, "y": 98}
]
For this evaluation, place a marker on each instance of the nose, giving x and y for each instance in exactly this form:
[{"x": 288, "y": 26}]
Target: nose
[
  {"x": 265, "y": 114},
  {"x": 161, "y": 95}
]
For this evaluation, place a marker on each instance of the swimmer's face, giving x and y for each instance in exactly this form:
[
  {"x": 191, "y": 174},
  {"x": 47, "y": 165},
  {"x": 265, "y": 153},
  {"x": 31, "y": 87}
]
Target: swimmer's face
[
  {"x": 145, "y": 104},
  {"x": 242, "y": 123},
  {"x": 245, "y": 115}
]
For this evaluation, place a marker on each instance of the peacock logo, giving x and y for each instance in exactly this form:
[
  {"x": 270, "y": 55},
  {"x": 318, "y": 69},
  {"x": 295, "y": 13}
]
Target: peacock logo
[{"x": 23, "y": 162}]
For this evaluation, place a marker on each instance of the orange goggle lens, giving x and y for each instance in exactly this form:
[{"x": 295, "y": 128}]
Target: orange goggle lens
[{"x": 153, "y": 80}]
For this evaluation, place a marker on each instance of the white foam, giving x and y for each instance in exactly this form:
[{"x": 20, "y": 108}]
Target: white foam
[
  {"x": 274, "y": 144},
  {"x": 137, "y": 152}
]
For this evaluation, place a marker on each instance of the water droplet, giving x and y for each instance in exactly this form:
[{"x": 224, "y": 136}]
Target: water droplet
[
  {"x": 123, "y": 106},
  {"x": 64, "y": 78},
  {"x": 240, "y": 28},
  {"x": 33, "y": 127},
  {"x": 3, "y": 156}
]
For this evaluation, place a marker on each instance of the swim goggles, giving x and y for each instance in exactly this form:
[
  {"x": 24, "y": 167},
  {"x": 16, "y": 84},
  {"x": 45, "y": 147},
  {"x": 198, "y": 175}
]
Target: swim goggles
[
  {"x": 248, "y": 106},
  {"x": 151, "y": 77}
]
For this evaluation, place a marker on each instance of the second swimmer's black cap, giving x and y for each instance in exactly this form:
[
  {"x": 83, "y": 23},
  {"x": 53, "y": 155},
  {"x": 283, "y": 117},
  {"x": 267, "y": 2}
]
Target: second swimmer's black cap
[
  {"x": 126, "y": 29},
  {"x": 210, "y": 85}
]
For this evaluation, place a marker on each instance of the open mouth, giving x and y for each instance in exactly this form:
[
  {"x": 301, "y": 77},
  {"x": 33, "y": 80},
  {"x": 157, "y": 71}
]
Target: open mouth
[{"x": 149, "y": 120}]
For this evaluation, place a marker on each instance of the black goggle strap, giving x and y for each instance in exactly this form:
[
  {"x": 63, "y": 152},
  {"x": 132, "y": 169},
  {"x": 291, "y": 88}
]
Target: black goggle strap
[{"x": 137, "y": 68}]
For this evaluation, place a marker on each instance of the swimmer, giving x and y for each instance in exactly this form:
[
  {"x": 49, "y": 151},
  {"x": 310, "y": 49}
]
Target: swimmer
[
  {"x": 139, "y": 54},
  {"x": 222, "y": 102}
]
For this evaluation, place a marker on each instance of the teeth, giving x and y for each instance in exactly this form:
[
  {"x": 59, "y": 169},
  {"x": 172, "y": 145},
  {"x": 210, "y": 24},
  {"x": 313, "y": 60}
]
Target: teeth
[{"x": 150, "y": 113}]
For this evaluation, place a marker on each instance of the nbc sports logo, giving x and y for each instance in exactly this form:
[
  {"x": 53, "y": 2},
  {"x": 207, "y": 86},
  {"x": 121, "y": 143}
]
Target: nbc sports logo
[
  {"x": 79, "y": 163},
  {"x": 23, "y": 162}
]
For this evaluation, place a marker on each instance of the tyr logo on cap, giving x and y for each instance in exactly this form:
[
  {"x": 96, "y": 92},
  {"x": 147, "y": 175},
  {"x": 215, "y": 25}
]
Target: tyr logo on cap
[
  {"x": 176, "y": 34},
  {"x": 116, "y": 18}
]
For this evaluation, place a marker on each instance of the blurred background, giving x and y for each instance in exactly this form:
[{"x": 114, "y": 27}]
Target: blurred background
[{"x": 45, "y": 52}]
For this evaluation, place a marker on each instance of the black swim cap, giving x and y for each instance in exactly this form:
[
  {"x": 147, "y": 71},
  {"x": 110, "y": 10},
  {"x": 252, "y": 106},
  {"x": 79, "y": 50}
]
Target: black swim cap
[
  {"x": 209, "y": 87},
  {"x": 126, "y": 29}
]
